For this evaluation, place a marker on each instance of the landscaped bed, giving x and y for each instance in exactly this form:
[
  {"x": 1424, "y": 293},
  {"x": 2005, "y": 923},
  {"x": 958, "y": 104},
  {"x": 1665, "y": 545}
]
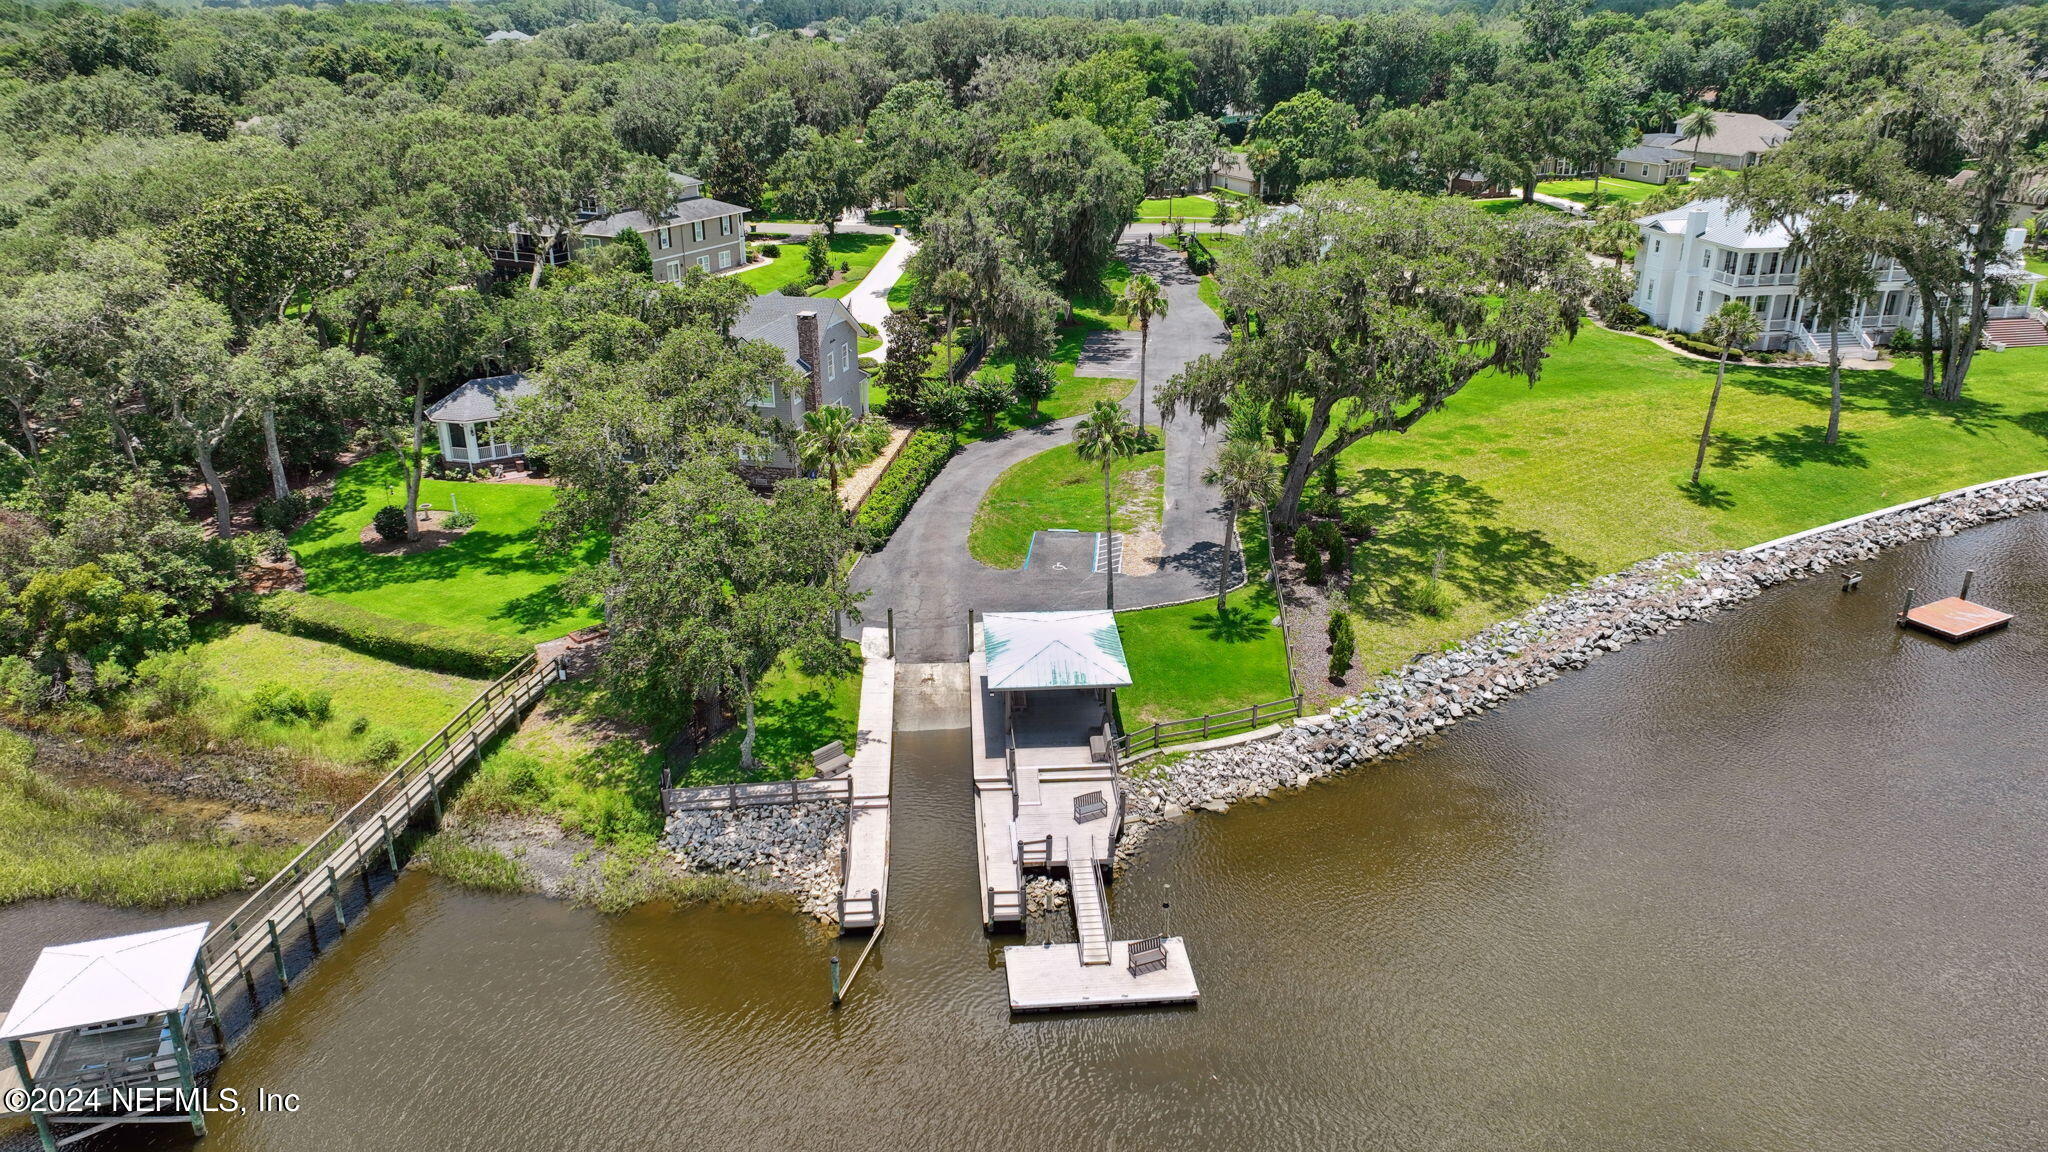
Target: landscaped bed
[
  {"x": 491, "y": 578},
  {"x": 1057, "y": 489}
]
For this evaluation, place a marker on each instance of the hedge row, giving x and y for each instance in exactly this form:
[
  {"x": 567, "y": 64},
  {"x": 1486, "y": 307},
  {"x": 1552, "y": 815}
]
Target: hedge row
[
  {"x": 440, "y": 649},
  {"x": 922, "y": 456}
]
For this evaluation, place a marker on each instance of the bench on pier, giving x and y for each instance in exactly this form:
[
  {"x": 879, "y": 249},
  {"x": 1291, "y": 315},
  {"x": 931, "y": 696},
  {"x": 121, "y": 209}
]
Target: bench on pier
[
  {"x": 830, "y": 760},
  {"x": 1090, "y": 806},
  {"x": 1148, "y": 956}
]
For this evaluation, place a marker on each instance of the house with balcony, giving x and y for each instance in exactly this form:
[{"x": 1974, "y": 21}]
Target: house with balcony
[
  {"x": 466, "y": 422},
  {"x": 1693, "y": 259},
  {"x": 694, "y": 231}
]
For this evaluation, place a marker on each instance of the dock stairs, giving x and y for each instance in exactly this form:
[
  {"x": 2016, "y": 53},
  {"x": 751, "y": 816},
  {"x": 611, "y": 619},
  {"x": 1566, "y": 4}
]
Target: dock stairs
[
  {"x": 2018, "y": 332},
  {"x": 1091, "y": 912}
]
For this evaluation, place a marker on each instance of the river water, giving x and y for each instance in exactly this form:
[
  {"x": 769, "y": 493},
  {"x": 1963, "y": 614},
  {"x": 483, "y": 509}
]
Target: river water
[{"x": 1771, "y": 882}]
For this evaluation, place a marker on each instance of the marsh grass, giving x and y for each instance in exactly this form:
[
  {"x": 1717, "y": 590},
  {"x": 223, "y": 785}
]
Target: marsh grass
[{"x": 87, "y": 843}]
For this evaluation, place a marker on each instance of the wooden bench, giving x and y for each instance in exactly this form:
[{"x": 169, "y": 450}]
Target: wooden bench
[
  {"x": 1148, "y": 956},
  {"x": 1090, "y": 806},
  {"x": 830, "y": 760}
]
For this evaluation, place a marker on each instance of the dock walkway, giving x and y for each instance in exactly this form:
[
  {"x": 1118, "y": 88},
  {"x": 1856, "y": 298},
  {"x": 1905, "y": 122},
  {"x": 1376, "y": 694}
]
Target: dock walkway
[{"x": 864, "y": 871}]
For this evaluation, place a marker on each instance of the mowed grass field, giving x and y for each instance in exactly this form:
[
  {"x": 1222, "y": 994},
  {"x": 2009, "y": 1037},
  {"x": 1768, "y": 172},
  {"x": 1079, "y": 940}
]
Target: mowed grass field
[
  {"x": 1058, "y": 489},
  {"x": 1525, "y": 490},
  {"x": 861, "y": 250},
  {"x": 1610, "y": 190},
  {"x": 492, "y": 578},
  {"x": 1190, "y": 660}
]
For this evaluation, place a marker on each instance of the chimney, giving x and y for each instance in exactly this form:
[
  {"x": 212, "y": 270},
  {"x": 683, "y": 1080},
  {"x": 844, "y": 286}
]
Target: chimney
[
  {"x": 808, "y": 350},
  {"x": 1695, "y": 221}
]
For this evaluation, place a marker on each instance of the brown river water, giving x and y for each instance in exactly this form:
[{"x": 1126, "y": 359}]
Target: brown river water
[{"x": 1771, "y": 882}]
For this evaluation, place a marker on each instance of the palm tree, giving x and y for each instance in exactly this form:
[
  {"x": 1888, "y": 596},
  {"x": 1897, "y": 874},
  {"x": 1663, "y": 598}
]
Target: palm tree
[
  {"x": 1614, "y": 227},
  {"x": 830, "y": 440},
  {"x": 1698, "y": 124},
  {"x": 1105, "y": 436},
  {"x": 1244, "y": 471},
  {"x": 1141, "y": 301},
  {"x": 1732, "y": 326}
]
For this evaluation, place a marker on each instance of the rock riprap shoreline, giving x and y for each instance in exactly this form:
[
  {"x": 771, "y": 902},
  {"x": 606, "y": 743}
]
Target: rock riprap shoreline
[
  {"x": 792, "y": 848},
  {"x": 1563, "y": 632}
]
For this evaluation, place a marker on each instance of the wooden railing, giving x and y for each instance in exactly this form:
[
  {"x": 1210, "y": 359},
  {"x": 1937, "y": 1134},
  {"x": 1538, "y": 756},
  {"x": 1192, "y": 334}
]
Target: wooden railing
[
  {"x": 712, "y": 797},
  {"x": 368, "y": 828},
  {"x": 1205, "y": 727}
]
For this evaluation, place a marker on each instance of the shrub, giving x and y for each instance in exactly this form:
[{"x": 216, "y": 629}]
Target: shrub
[
  {"x": 390, "y": 523},
  {"x": 1339, "y": 547},
  {"x": 173, "y": 683},
  {"x": 794, "y": 288},
  {"x": 284, "y": 515},
  {"x": 460, "y": 520},
  {"x": 382, "y": 750},
  {"x": 771, "y": 251},
  {"x": 282, "y": 704},
  {"x": 442, "y": 649},
  {"x": 1627, "y": 316},
  {"x": 1311, "y": 563},
  {"x": 1342, "y": 645},
  {"x": 897, "y": 491},
  {"x": 359, "y": 725},
  {"x": 1431, "y": 599}
]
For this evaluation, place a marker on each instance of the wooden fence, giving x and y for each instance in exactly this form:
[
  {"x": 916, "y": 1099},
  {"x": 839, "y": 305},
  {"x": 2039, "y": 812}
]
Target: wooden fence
[
  {"x": 1215, "y": 724},
  {"x": 270, "y": 920},
  {"x": 714, "y": 797}
]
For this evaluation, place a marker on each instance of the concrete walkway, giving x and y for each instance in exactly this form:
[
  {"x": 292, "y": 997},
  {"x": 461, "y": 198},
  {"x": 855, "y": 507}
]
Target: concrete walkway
[
  {"x": 926, "y": 574},
  {"x": 869, "y": 301}
]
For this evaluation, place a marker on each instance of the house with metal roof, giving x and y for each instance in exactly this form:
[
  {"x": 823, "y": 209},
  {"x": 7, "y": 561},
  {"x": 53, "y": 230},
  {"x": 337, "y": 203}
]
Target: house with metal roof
[{"x": 695, "y": 231}]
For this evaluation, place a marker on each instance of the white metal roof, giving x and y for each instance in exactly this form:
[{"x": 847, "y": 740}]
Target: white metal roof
[
  {"x": 1027, "y": 650},
  {"x": 76, "y": 985}
]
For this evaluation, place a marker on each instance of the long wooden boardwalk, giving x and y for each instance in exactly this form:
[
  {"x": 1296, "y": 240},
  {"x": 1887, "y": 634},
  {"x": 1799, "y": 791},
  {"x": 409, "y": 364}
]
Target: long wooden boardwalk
[
  {"x": 309, "y": 890},
  {"x": 864, "y": 869}
]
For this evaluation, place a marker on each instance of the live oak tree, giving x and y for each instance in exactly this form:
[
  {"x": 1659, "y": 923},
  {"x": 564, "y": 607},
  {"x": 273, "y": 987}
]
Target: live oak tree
[
  {"x": 1375, "y": 308},
  {"x": 710, "y": 585},
  {"x": 181, "y": 356}
]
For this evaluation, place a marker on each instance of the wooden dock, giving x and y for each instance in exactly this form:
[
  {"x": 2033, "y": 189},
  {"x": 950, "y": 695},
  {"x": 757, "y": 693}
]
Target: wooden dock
[
  {"x": 1054, "y": 977},
  {"x": 1955, "y": 619},
  {"x": 864, "y": 870}
]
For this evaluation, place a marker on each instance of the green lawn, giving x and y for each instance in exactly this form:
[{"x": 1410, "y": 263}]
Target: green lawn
[
  {"x": 860, "y": 249},
  {"x": 1192, "y": 209},
  {"x": 892, "y": 218},
  {"x": 493, "y": 578},
  {"x": 1526, "y": 490},
  {"x": 377, "y": 705},
  {"x": 1612, "y": 189},
  {"x": 1057, "y": 489},
  {"x": 795, "y": 715},
  {"x": 1506, "y": 204},
  {"x": 1188, "y": 660},
  {"x": 2038, "y": 264}
]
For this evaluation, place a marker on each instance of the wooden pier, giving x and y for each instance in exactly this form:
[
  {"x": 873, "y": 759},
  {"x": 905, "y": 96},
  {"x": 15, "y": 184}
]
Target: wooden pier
[
  {"x": 864, "y": 870},
  {"x": 1048, "y": 797},
  {"x": 1956, "y": 619},
  {"x": 308, "y": 891}
]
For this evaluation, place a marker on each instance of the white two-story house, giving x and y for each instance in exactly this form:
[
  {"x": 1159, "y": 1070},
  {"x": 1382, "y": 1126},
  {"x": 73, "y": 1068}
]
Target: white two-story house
[{"x": 1693, "y": 259}]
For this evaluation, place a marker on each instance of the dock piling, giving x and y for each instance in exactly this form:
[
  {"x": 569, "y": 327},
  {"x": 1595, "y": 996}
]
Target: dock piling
[
  {"x": 1905, "y": 608},
  {"x": 1968, "y": 576},
  {"x": 836, "y": 988}
]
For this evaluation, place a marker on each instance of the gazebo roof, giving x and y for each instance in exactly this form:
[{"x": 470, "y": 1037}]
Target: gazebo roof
[
  {"x": 78, "y": 985},
  {"x": 1028, "y": 650}
]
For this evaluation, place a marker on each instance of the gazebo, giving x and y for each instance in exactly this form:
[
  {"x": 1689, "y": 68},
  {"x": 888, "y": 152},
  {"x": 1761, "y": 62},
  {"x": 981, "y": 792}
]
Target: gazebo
[
  {"x": 1057, "y": 673},
  {"x": 467, "y": 420},
  {"x": 103, "y": 1024}
]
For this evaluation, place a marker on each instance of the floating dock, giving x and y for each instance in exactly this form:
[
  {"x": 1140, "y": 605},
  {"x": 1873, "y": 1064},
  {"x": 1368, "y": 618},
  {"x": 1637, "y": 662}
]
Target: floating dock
[
  {"x": 1052, "y": 977},
  {"x": 1955, "y": 619}
]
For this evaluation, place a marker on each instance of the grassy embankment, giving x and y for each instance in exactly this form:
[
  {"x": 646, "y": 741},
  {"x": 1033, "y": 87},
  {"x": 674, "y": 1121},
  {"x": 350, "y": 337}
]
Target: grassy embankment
[
  {"x": 492, "y": 578},
  {"x": 860, "y": 250},
  {"x": 1057, "y": 489},
  {"x": 1526, "y": 490},
  {"x": 90, "y": 843}
]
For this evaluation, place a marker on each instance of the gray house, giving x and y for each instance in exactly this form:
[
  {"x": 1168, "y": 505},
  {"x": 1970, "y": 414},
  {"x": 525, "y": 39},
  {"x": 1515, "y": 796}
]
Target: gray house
[
  {"x": 694, "y": 231},
  {"x": 819, "y": 338}
]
